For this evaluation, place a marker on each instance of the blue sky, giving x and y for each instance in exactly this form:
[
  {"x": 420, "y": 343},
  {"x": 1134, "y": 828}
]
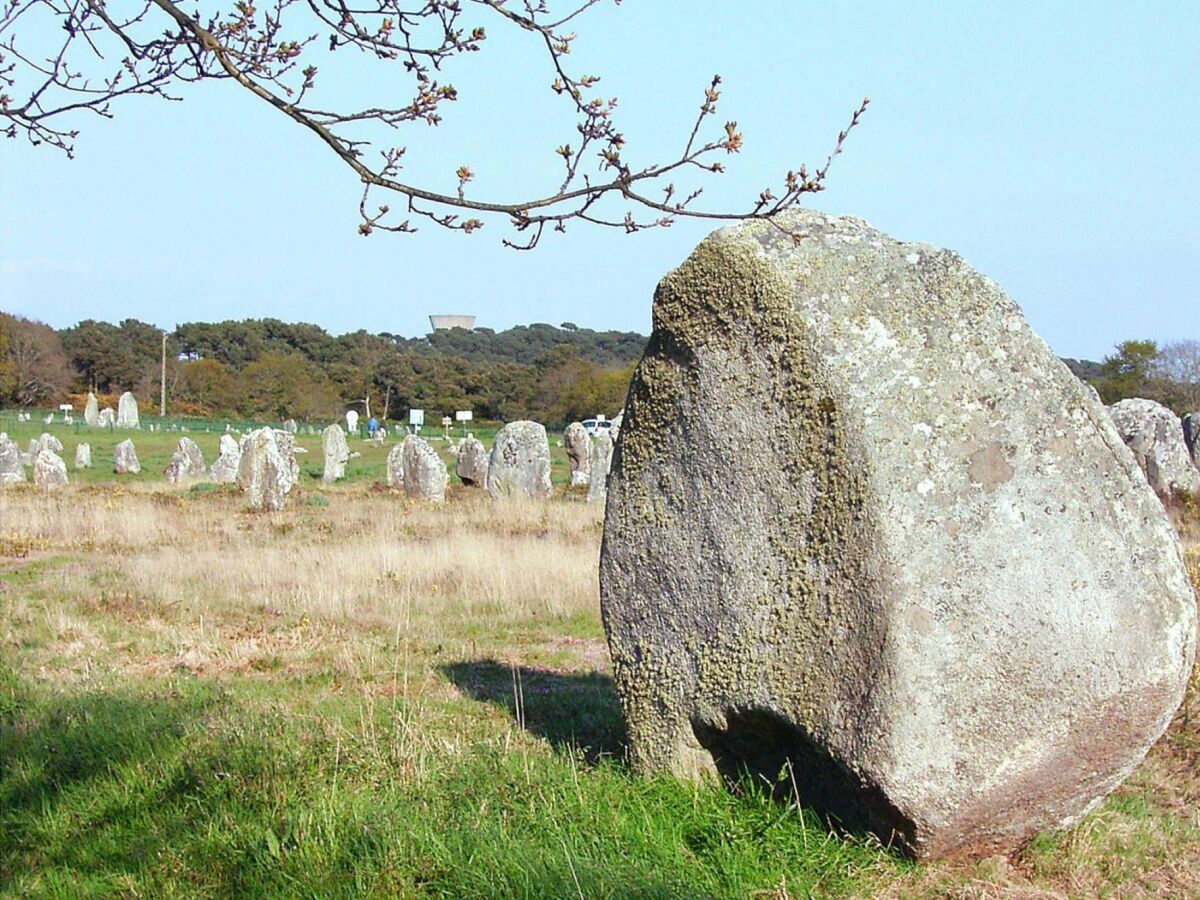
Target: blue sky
[{"x": 1053, "y": 145}]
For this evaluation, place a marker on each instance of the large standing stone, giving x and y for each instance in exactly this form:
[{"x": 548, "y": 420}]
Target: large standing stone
[
  {"x": 12, "y": 470},
  {"x": 83, "y": 456},
  {"x": 578, "y": 445},
  {"x": 602, "y": 451},
  {"x": 127, "y": 411},
  {"x": 186, "y": 462},
  {"x": 1155, "y": 435},
  {"x": 520, "y": 461},
  {"x": 472, "y": 465},
  {"x": 1191, "y": 435},
  {"x": 337, "y": 452},
  {"x": 868, "y": 539},
  {"x": 352, "y": 421},
  {"x": 91, "y": 411},
  {"x": 290, "y": 426},
  {"x": 425, "y": 475},
  {"x": 268, "y": 470},
  {"x": 107, "y": 419},
  {"x": 395, "y": 466},
  {"x": 614, "y": 430},
  {"x": 224, "y": 469},
  {"x": 125, "y": 461},
  {"x": 49, "y": 442},
  {"x": 49, "y": 470}
]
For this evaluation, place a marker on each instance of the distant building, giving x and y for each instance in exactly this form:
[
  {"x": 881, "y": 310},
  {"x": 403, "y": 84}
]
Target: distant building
[{"x": 441, "y": 323}]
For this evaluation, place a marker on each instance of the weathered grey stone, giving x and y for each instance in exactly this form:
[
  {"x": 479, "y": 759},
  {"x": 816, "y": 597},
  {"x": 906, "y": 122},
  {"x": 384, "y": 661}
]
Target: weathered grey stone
[
  {"x": 49, "y": 470},
  {"x": 472, "y": 465},
  {"x": 520, "y": 462},
  {"x": 910, "y": 570},
  {"x": 224, "y": 469},
  {"x": 125, "y": 461},
  {"x": 337, "y": 452},
  {"x": 83, "y": 456},
  {"x": 1191, "y": 436},
  {"x": 578, "y": 445},
  {"x": 1155, "y": 435},
  {"x": 290, "y": 426},
  {"x": 186, "y": 462},
  {"x": 127, "y": 411},
  {"x": 395, "y": 466},
  {"x": 268, "y": 470},
  {"x": 107, "y": 418},
  {"x": 91, "y": 411},
  {"x": 615, "y": 429},
  {"x": 12, "y": 470},
  {"x": 425, "y": 475},
  {"x": 49, "y": 442},
  {"x": 602, "y": 452},
  {"x": 352, "y": 421}
]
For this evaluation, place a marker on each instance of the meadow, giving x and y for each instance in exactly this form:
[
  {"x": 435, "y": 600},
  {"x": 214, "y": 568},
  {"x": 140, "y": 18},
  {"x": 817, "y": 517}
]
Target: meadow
[{"x": 363, "y": 695}]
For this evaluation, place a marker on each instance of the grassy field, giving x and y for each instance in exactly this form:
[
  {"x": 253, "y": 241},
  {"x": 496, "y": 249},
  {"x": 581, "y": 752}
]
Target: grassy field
[
  {"x": 154, "y": 449},
  {"x": 366, "y": 696}
]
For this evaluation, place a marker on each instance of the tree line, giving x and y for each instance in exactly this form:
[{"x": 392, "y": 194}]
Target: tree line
[{"x": 269, "y": 369}]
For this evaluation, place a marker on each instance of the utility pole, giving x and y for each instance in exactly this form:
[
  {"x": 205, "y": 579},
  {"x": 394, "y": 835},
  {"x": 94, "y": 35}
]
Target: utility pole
[{"x": 162, "y": 398}]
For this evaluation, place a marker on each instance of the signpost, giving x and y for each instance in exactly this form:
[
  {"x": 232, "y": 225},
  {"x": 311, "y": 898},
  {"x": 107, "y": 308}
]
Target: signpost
[
  {"x": 464, "y": 416},
  {"x": 416, "y": 418}
]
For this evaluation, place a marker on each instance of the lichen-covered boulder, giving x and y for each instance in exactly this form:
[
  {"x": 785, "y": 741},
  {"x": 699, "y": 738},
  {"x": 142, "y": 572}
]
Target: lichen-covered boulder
[
  {"x": 578, "y": 444},
  {"x": 125, "y": 461},
  {"x": 395, "y": 466},
  {"x": 1156, "y": 437},
  {"x": 48, "y": 442},
  {"x": 91, "y": 411},
  {"x": 425, "y": 475},
  {"x": 337, "y": 453},
  {"x": 601, "y": 462},
  {"x": 186, "y": 462},
  {"x": 267, "y": 470},
  {"x": 868, "y": 540},
  {"x": 224, "y": 469},
  {"x": 12, "y": 469},
  {"x": 49, "y": 470},
  {"x": 472, "y": 465},
  {"x": 107, "y": 419},
  {"x": 83, "y": 455},
  {"x": 519, "y": 465},
  {"x": 127, "y": 411}
]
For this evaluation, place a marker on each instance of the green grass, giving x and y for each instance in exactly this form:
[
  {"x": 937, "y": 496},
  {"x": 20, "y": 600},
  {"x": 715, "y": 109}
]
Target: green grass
[
  {"x": 154, "y": 448},
  {"x": 180, "y": 789}
]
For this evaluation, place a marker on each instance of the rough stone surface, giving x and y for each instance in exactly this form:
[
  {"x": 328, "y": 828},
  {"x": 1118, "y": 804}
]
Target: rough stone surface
[
  {"x": 395, "y": 466},
  {"x": 520, "y": 462},
  {"x": 224, "y": 469},
  {"x": 425, "y": 475},
  {"x": 125, "y": 461},
  {"x": 352, "y": 421},
  {"x": 578, "y": 445},
  {"x": 472, "y": 465},
  {"x": 267, "y": 470},
  {"x": 186, "y": 462},
  {"x": 337, "y": 452},
  {"x": 12, "y": 470},
  {"x": 1191, "y": 435},
  {"x": 618, "y": 420},
  {"x": 49, "y": 470},
  {"x": 127, "y": 411},
  {"x": 83, "y": 456},
  {"x": 107, "y": 418},
  {"x": 602, "y": 452},
  {"x": 290, "y": 426},
  {"x": 91, "y": 411},
  {"x": 1155, "y": 435},
  {"x": 911, "y": 556}
]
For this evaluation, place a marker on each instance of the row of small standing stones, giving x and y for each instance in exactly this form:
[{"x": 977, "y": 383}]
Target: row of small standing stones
[{"x": 264, "y": 465}]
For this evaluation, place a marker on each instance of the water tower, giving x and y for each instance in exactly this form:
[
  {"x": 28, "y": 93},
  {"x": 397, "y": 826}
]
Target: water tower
[{"x": 440, "y": 323}]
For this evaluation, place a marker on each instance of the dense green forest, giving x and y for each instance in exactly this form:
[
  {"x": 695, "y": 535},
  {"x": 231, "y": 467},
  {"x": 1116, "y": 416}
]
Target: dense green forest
[{"x": 269, "y": 369}]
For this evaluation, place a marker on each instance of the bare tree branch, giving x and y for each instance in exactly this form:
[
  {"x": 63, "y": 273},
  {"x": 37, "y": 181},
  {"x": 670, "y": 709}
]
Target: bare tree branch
[{"x": 163, "y": 44}]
